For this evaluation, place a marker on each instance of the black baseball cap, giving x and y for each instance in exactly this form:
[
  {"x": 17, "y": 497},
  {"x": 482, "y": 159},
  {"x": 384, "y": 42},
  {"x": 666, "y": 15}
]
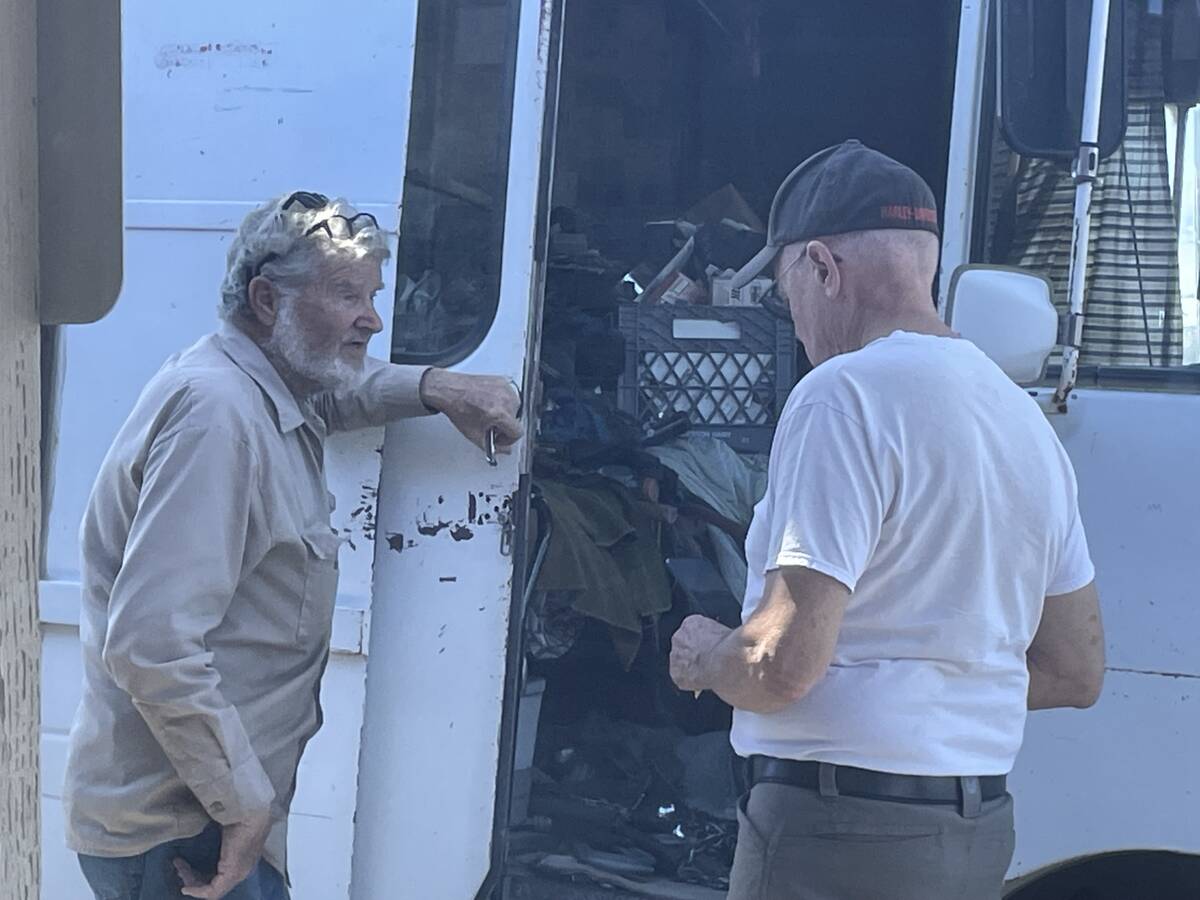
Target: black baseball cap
[{"x": 843, "y": 188}]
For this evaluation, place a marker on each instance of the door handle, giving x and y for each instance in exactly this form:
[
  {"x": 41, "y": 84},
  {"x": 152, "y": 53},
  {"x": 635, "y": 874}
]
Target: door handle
[{"x": 489, "y": 451}]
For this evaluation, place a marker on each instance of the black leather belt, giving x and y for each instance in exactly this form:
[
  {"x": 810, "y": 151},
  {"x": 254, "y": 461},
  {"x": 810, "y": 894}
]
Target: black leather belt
[{"x": 877, "y": 785}]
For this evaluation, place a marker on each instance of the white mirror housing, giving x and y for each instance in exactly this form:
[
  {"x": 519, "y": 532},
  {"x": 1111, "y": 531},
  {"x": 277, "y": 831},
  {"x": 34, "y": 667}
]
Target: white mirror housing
[{"x": 1007, "y": 313}]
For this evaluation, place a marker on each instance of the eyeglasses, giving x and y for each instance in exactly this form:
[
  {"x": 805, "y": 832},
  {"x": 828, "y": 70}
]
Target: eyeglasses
[
  {"x": 335, "y": 226},
  {"x": 776, "y": 304}
]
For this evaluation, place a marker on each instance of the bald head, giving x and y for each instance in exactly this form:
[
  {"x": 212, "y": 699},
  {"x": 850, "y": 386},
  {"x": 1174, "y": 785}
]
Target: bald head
[
  {"x": 885, "y": 265},
  {"x": 844, "y": 288}
]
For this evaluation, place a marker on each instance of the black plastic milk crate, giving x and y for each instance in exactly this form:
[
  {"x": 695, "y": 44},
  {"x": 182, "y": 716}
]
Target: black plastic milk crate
[{"x": 730, "y": 368}]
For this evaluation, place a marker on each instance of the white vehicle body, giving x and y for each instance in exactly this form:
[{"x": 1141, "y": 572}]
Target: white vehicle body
[{"x": 401, "y": 793}]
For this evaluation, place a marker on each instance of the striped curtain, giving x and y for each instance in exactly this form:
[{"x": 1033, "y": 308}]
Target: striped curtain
[{"x": 1133, "y": 310}]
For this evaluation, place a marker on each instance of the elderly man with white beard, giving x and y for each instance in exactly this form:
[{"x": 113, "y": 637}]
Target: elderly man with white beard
[{"x": 209, "y": 566}]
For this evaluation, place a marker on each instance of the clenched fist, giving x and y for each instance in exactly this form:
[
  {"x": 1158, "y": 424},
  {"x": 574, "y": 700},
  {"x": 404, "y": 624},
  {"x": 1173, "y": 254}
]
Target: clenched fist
[{"x": 691, "y": 648}]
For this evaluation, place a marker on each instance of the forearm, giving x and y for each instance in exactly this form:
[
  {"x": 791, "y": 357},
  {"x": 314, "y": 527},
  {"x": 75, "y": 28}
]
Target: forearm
[
  {"x": 387, "y": 393},
  {"x": 1044, "y": 689},
  {"x": 1049, "y": 689},
  {"x": 743, "y": 671},
  {"x": 1066, "y": 658},
  {"x": 199, "y": 731},
  {"x": 781, "y": 651}
]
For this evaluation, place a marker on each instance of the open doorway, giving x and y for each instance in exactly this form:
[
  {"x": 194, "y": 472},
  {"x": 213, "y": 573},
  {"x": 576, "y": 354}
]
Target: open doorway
[{"x": 659, "y": 391}]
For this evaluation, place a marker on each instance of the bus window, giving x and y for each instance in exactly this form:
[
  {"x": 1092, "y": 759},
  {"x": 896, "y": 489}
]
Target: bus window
[{"x": 452, "y": 223}]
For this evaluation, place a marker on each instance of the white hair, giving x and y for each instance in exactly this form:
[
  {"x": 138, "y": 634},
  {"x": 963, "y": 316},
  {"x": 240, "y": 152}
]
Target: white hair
[
  {"x": 891, "y": 252},
  {"x": 292, "y": 257}
]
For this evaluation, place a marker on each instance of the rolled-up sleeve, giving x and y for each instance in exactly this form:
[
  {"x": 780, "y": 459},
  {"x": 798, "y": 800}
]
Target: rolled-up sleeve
[
  {"x": 183, "y": 560},
  {"x": 387, "y": 392}
]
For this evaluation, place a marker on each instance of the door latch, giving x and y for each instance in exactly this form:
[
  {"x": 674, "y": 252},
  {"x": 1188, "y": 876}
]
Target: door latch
[{"x": 507, "y": 530}]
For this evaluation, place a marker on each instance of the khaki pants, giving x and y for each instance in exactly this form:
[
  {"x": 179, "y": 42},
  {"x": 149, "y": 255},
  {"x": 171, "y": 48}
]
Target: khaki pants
[{"x": 795, "y": 844}]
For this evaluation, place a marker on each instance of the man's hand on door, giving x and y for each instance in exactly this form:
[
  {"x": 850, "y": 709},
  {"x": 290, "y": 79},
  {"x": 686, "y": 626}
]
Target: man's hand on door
[{"x": 475, "y": 405}]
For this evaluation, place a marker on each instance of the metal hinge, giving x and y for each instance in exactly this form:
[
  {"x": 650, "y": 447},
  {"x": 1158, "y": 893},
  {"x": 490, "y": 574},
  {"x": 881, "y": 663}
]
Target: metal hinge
[{"x": 1086, "y": 166}]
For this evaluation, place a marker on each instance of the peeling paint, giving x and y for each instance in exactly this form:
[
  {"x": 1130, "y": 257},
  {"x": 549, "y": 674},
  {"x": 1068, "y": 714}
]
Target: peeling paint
[
  {"x": 482, "y": 509},
  {"x": 396, "y": 542},
  {"x": 242, "y": 55},
  {"x": 367, "y": 499}
]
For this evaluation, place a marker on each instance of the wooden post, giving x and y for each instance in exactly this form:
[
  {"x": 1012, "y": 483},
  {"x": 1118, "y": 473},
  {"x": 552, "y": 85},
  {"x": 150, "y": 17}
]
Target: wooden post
[{"x": 20, "y": 432}]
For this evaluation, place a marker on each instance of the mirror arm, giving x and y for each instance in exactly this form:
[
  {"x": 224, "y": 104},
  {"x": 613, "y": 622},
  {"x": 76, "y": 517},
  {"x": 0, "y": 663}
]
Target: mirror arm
[{"x": 1087, "y": 163}]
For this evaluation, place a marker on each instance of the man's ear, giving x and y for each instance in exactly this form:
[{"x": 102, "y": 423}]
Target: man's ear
[
  {"x": 264, "y": 300},
  {"x": 826, "y": 268}
]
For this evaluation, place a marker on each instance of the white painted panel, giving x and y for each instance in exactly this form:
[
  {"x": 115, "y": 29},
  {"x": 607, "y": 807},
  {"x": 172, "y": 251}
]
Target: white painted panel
[
  {"x": 227, "y": 100},
  {"x": 1121, "y": 775},
  {"x": 62, "y": 677},
  {"x": 328, "y": 775},
  {"x": 320, "y": 859},
  {"x": 1135, "y": 455},
  {"x": 54, "y": 766}
]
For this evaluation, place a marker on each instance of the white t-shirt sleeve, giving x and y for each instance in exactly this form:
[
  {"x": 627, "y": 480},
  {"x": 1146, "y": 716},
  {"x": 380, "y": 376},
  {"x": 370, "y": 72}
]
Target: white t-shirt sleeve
[
  {"x": 828, "y": 494},
  {"x": 1075, "y": 569}
]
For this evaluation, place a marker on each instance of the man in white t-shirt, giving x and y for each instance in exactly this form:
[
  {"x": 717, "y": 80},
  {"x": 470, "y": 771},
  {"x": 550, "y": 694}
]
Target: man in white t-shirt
[{"x": 919, "y": 574}]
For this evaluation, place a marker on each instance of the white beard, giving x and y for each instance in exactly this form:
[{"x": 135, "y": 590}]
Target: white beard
[{"x": 289, "y": 346}]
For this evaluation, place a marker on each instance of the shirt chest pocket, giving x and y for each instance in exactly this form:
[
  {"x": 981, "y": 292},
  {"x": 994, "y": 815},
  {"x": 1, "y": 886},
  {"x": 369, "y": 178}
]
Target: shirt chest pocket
[{"x": 320, "y": 587}]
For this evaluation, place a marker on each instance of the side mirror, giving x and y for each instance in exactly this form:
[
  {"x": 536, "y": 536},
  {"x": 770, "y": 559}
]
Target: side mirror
[
  {"x": 1043, "y": 54},
  {"x": 1008, "y": 314}
]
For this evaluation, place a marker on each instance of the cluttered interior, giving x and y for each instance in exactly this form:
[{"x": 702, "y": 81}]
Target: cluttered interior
[
  {"x": 677, "y": 121},
  {"x": 659, "y": 384}
]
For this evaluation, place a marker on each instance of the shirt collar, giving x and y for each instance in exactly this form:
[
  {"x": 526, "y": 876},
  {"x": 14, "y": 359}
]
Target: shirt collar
[{"x": 250, "y": 359}]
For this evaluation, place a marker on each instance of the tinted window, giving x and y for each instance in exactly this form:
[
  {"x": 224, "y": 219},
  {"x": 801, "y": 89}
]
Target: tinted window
[{"x": 452, "y": 224}]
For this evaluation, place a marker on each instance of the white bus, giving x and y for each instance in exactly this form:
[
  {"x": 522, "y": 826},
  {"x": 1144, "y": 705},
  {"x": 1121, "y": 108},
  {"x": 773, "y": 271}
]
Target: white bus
[{"x": 516, "y": 149}]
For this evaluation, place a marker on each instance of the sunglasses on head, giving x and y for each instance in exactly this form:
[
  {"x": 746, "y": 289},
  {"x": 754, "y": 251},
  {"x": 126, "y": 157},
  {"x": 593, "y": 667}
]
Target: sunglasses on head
[{"x": 335, "y": 226}]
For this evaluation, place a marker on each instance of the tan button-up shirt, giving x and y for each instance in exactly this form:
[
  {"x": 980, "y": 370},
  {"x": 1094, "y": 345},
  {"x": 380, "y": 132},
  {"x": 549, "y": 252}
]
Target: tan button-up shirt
[{"x": 209, "y": 572}]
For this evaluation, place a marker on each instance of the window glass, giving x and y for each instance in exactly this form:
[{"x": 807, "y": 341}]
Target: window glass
[
  {"x": 452, "y": 224},
  {"x": 1141, "y": 283}
]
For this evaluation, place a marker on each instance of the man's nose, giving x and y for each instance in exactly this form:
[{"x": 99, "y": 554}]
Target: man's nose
[{"x": 370, "y": 320}]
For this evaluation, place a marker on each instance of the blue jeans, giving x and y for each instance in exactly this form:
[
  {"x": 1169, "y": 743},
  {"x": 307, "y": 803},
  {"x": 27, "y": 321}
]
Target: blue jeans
[{"x": 151, "y": 875}]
